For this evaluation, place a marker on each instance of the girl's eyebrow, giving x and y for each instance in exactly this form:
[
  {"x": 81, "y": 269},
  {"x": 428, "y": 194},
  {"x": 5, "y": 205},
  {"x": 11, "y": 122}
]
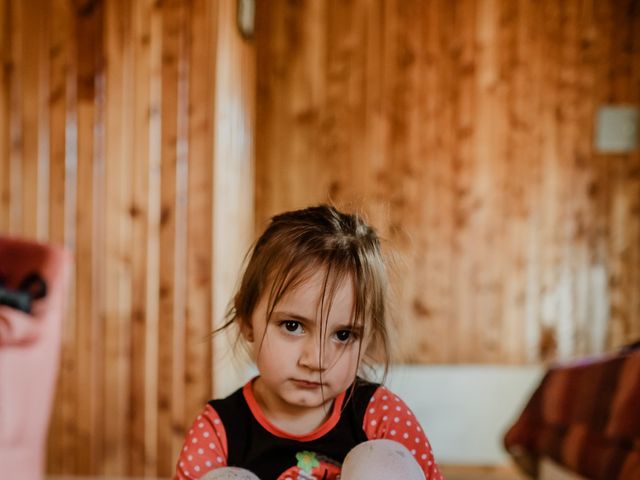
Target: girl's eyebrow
[
  {"x": 352, "y": 328},
  {"x": 294, "y": 316}
]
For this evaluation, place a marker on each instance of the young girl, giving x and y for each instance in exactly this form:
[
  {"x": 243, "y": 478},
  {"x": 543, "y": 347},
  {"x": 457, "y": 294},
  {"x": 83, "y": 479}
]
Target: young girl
[{"x": 312, "y": 309}]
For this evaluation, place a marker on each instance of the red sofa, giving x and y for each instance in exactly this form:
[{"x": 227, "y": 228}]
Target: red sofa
[{"x": 585, "y": 417}]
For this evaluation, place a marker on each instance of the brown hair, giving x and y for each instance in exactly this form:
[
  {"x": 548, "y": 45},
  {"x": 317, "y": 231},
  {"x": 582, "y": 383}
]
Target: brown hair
[{"x": 298, "y": 242}]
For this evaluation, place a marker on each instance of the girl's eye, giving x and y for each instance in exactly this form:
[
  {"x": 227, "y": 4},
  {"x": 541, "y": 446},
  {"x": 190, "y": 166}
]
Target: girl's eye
[
  {"x": 344, "y": 336},
  {"x": 292, "y": 326}
]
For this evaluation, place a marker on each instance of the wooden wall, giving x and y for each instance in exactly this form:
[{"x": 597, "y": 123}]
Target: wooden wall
[
  {"x": 114, "y": 128},
  {"x": 464, "y": 129}
]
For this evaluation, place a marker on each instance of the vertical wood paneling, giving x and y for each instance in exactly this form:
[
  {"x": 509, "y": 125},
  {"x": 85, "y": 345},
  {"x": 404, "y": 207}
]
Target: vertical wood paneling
[
  {"x": 474, "y": 156},
  {"x": 113, "y": 117}
]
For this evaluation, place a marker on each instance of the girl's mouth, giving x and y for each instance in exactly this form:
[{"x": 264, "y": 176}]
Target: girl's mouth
[{"x": 306, "y": 384}]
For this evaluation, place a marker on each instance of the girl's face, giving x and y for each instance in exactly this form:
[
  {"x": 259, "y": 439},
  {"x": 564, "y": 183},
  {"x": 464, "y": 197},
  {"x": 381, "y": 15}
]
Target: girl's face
[{"x": 293, "y": 378}]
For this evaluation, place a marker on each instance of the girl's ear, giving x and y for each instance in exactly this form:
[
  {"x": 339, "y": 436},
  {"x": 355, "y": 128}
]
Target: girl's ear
[{"x": 247, "y": 331}]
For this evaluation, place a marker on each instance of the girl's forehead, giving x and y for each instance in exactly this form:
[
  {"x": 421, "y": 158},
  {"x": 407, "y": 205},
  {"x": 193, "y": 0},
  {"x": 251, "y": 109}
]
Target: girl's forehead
[
  {"x": 313, "y": 286},
  {"x": 313, "y": 290}
]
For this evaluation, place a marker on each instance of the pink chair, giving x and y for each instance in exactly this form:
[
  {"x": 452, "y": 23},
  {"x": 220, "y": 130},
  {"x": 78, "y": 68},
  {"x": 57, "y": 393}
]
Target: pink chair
[{"x": 29, "y": 356}]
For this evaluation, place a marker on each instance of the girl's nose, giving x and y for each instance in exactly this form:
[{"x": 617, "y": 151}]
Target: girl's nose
[{"x": 310, "y": 355}]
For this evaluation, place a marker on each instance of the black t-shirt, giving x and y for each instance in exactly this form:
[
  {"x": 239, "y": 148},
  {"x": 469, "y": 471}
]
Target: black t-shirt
[{"x": 270, "y": 456}]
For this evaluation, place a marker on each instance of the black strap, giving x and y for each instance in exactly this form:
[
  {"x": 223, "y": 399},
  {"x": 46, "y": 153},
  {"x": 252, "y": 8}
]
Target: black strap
[
  {"x": 35, "y": 285},
  {"x": 32, "y": 287}
]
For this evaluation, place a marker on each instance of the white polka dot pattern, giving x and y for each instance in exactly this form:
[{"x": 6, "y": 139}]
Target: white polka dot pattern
[
  {"x": 203, "y": 451},
  {"x": 401, "y": 427}
]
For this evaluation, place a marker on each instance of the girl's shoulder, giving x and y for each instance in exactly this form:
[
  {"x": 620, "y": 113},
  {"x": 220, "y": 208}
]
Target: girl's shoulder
[
  {"x": 374, "y": 391},
  {"x": 383, "y": 406},
  {"x": 362, "y": 391},
  {"x": 232, "y": 398},
  {"x": 232, "y": 409}
]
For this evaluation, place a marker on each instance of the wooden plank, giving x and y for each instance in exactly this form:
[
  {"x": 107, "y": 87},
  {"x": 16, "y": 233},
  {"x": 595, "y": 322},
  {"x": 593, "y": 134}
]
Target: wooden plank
[
  {"x": 117, "y": 223},
  {"x": 294, "y": 90},
  {"x": 170, "y": 332},
  {"x": 602, "y": 186},
  {"x": 29, "y": 50},
  {"x": 86, "y": 456},
  {"x": 59, "y": 119},
  {"x": 179, "y": 419},
  {"x": 488, "y": 186},
  {"x": 15, "y": 117},
  {"x": 43, "y": 158},
  {"x": 265, "y": 138},
  {"x": 595, "y": 42},
  {"x": 5, "y": 114},
  {"x": 62, "y": 190},
  {"x": 199, "y": 315},
  {"x": 234, "y": 121},
  {"x": 578, "y": 116},
  {"x": 405, "y": 170},
  {"x": 433, "y": 284},
  {"x": 152, "y": 347},
  {"x": 464, "y": 295},
  {"x": 141, "y": 458},
  {"x": 533, "y": 150},
  {"x": 309, "y": 67},
  {"x": 374, "y": 103},
  {"x": 519, "y": 43}
]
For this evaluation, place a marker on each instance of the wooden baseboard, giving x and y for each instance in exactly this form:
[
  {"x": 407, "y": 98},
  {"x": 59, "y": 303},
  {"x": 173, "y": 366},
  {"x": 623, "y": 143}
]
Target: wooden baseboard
[{"x": 549, "y": 470}]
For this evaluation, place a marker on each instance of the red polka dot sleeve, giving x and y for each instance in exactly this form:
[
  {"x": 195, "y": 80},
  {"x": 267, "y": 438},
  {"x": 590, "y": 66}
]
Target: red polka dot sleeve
[
  {"x": 205, "y": 447},
  {"x": 389, "y": 417}
]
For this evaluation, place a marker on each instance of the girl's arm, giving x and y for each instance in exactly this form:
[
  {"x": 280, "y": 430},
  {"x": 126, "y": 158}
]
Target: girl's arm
[
  {"x": 387, "y": 416},
  {"x": 204, "y": 448}
]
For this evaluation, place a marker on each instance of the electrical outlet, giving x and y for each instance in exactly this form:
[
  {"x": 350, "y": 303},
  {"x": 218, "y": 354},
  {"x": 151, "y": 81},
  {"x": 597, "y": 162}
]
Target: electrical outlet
[{"x": 617, "y": 129}]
